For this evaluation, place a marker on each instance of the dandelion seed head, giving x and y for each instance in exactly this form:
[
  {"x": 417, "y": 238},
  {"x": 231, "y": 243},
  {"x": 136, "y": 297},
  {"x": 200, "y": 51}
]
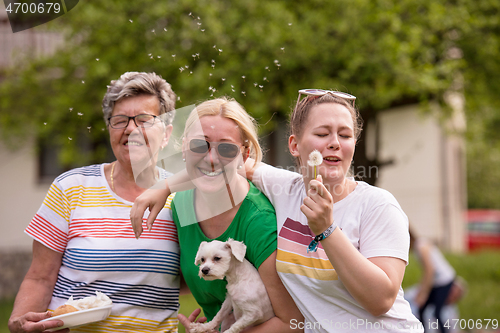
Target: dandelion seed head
[{"x": 315, "y": 158}]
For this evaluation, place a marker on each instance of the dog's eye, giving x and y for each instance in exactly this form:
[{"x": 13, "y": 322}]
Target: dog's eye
[
  {"x": 217, "y": 258},
  {"x": 202, "y": 259}
]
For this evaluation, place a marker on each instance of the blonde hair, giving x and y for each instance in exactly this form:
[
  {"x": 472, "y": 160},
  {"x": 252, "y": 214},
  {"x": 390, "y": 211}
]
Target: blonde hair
[{"x": 230, "y": 109}]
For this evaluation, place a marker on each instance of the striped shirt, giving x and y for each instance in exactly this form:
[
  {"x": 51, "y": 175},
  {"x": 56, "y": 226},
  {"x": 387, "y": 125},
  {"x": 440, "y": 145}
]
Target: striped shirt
[
  {"x": 375, "y": 225},
  {"x": 90, "y": 225}
]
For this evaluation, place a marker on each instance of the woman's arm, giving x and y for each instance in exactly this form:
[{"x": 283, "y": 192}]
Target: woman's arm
[
  {"x": 427, "y": 274},
  {"x": 373, "y": 282},
  {"x": 154, "y": 199},
  {"x": 35, "y": 292},
  {"x": 284, "y": 307}
]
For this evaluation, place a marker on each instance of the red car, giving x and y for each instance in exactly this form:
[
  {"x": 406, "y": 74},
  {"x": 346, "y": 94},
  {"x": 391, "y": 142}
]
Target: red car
[{"x": 483, "y": 229}]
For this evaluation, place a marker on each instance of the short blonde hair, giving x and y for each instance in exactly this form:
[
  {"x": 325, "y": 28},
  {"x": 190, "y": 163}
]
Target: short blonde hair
[{"x": 230, "y": 109}]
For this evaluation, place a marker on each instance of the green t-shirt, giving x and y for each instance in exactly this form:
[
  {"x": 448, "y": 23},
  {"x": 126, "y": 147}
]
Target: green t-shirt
[{"x": 254, "y": 225}]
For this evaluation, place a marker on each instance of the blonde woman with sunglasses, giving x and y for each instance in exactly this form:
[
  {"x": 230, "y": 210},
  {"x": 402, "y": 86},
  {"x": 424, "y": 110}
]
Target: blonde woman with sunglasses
[
  {"x": 218, "y": 138},
  {"x": 342, "y": 244}
]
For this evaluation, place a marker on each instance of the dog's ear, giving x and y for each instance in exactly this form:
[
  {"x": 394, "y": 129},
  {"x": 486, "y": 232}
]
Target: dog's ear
[
  {"x": 197, "y": 259},
  {"x": 238, "y": 249}
]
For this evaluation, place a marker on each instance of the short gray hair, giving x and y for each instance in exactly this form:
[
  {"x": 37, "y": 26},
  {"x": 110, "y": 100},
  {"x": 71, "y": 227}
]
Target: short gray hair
[{"x": 140, "y": 83}]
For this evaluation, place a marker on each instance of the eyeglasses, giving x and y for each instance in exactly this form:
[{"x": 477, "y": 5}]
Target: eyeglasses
[
  {"x": 224, "y": 149},
  {"x": 321, "y": 92},
  {"x": 141, "y": 120}
]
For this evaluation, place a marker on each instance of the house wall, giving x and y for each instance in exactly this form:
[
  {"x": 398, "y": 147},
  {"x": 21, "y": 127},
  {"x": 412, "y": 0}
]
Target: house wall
[
  {"x": 428, "y": 174},
  {"x": 21, "y": 196}
]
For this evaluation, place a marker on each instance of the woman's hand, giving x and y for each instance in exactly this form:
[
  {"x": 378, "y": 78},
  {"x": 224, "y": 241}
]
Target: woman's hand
[
  {"x": 29, "y": 322},
  {"x": 152, "y": 199},
  {"x": 186, "y": 322},
  {"x": 318, "y": 206}
]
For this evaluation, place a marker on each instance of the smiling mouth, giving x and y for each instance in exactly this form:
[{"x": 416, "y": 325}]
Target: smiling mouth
[
  {"x": 332, "y": 159},
  {"x": 133, "y": 143},
  {"x": 210, "y": 173}
]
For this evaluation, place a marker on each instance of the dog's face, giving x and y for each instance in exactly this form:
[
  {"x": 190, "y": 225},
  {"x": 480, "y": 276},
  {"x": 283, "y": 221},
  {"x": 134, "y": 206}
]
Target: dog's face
[{"x": 214, "y": 258}]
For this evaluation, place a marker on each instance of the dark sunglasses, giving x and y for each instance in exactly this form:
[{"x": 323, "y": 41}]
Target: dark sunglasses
[{"x": 224, "y": 149}]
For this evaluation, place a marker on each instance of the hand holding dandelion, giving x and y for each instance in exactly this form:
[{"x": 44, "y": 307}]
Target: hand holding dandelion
[{"x": 315, "y": 159}]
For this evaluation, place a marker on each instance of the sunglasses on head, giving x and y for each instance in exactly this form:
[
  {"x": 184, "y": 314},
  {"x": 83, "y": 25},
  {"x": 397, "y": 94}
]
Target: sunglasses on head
[
  {"x": 224, "y": 149},
  {"x": 320, "y": 92}
]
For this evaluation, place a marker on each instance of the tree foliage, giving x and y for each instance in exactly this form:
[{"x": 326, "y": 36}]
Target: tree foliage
[{"x": 387, "y": 53}]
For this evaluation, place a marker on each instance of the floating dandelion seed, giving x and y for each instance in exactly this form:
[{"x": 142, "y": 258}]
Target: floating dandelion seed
[
  {"x": 193, "y": 55},
  {"x": 150, "y": 54},
  {"x": 190, "y": 72},
  {"x": 213, "y": 65},
  {"x": 165, "y": 29},
  {"x": 210, "y": 88},
  {"x": 158, "y": 57},
  {"x": 190, "y": 14},
  {"x": 80, "y": 114},
  {"x": 232, "y": 86},
  {"x": 255, "y": 84},
  {"x": 202, "y": 30},
  {"x": 243, "y": 77},
  {"x": 173, "y": 56},
  {"x": 276, "y": 61},
  {"x": 198, "y": 55},
  {"x": 198, "y": 17},
  {"x": 243, "y": 93},
  {"x": 209, "y": 74},
  {"x": 220, "y": 51},
  {"x": 97, "y": 59},
  {"x": 178, "y": 98},
  {"x": 45, "y": 123},
  {"x": 223, "y": 79},
  {"x": 278, "y": 65},
  {"x": 153, "y": 31},
  {"x": 289, "y": 24},
  {"x": 283, "y": 49},
  {"x": 267, "y": 67},
  {"x": 89, "y": 128},
  {"x": 214, "y": 46},
  {"x": 83, "y": 81},
  {"x": 70, "y": 138},
  {"x": 199, "y": 23},
  {"x": 213, "y": 61},
  {"x": 186, "y": 66},
  {"x": 70, "y": 109},
  {"x": 233, "y": 90},
  {"x": 265, "y": 79},
  {"x": 131, "y": 21},
  {"x": 181, "y": 69},
  {"x": 315, "y": 159}
]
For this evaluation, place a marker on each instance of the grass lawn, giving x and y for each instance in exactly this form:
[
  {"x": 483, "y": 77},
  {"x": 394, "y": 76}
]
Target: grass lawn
[{"x": 481, "y": 271}]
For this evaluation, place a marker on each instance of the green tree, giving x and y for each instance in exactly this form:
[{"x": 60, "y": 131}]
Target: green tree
[{"x": 387, "y": 53}]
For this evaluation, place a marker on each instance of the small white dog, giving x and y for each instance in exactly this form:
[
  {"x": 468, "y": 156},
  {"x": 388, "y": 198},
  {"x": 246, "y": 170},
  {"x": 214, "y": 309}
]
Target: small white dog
[{"x": 246, "y": 293}]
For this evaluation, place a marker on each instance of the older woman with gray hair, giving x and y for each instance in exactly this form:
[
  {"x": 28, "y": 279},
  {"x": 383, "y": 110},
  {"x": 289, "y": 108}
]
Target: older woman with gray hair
[{"x": 82, "y": 238}]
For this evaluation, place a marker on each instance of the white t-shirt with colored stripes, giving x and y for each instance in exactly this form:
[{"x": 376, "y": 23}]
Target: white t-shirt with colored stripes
[
  {"x": 376, "y": 226},
  {"x": 83, "y": 219}
]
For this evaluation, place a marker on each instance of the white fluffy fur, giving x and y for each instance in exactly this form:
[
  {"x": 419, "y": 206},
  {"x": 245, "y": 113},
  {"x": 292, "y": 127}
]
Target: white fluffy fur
[{"x": 246, "y": 293}]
